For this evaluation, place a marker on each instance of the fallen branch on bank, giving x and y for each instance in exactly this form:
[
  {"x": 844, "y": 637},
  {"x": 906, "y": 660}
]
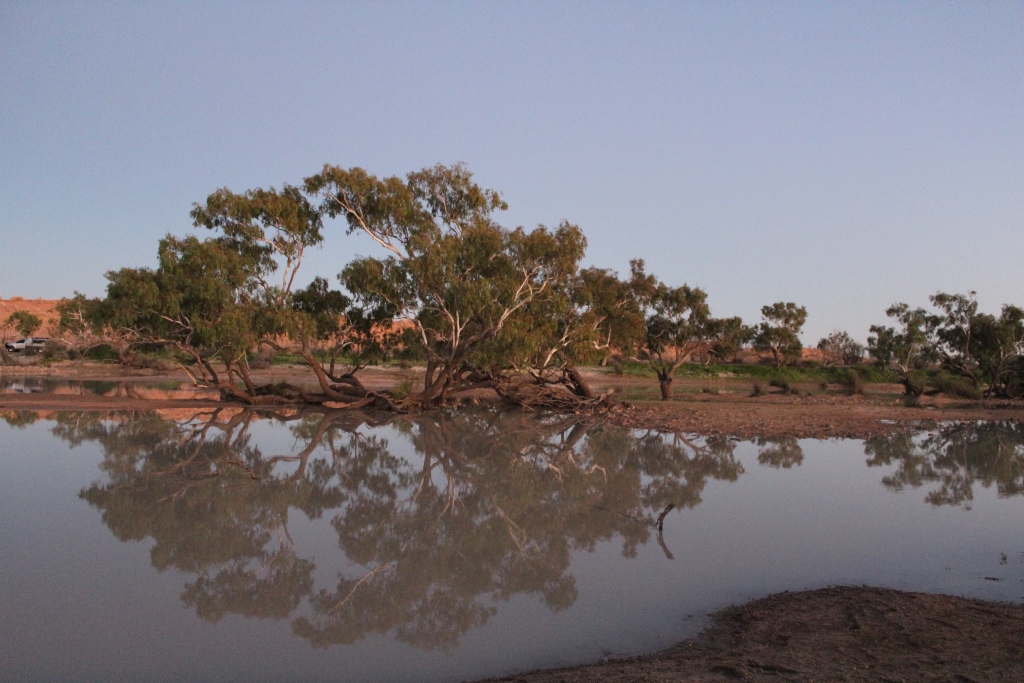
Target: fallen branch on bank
[{"x": 550, "y": 396}]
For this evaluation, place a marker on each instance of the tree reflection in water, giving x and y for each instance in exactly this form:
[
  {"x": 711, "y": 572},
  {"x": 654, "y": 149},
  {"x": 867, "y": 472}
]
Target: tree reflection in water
[
  {"x": 780, "y": 452},
  {"x": 464, "y": 511},
  {"x": 953, "y": 458},
  {"x": 491, "y": 506}
]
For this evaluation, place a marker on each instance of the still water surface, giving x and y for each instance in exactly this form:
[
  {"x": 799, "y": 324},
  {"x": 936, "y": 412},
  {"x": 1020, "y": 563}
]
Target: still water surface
[{"x": 230, "y": 546}]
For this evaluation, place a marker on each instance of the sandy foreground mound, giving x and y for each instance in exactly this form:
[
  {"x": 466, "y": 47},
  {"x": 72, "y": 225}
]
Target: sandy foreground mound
[{"x": 834, "y": 634}]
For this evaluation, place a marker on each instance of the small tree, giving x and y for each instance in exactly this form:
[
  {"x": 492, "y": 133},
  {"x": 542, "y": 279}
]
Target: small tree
[
  {"x": 21, "y": 322},
  {"x": 779, "y": 333},
  {"x": 726, "y": 337},
  {"x": 999, "y": 344},
  {"x": 328, "y": 326},
  {"x": 678, "y": 326},
  {"x": 617, "y": 308},
  {"x": 839, "y": 348},
  {"x": 952, "y": 333},
  {"x": 907, "y": 347},
  {"x": 201, "y": 301},
  {"x": 585, "y": 316},
  {"x": 77, "y": 322},
  {"x": 324, "y": 333},
  {"x": 981, "y": 348}
]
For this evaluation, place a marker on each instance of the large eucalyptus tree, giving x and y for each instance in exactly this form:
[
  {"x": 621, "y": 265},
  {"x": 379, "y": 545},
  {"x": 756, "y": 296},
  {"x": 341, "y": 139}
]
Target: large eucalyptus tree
[{"x": 450, "y": 270}]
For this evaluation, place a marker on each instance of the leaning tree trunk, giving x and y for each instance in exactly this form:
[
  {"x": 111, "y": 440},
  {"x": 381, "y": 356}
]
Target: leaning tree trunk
[
  {"x": 353, "y": 388},
  {"x": 579, "y": 386}
]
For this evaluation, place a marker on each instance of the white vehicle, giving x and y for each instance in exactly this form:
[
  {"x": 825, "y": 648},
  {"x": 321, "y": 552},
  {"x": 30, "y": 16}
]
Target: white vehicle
[{"x": 27, "y": 343}]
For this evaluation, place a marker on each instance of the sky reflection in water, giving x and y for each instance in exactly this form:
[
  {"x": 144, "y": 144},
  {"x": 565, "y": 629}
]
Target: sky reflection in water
[{"x": 456, "y": 545}]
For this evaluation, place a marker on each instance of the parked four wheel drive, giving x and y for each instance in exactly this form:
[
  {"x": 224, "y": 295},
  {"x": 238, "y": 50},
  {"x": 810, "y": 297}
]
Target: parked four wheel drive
[{"x": 27, "y": 343}]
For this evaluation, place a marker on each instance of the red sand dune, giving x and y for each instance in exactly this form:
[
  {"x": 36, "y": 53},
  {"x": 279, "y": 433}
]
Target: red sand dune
[{"x": 43, "y": 308}]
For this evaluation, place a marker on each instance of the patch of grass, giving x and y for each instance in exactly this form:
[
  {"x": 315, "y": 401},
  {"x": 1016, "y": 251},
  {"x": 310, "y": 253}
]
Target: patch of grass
[
  {"x": 402, "y": 390},
  {"x": 798, "y": 373},
  {"x": 805, "y": 373},
  {"x": 164, "y": 385},
  {"x": 286, "y": 359},
  {"x": 634, "y": 368}
]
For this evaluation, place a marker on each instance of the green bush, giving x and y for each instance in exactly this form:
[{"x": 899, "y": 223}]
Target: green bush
[
  {"x": 960, "y": 387},
  {"x": 103, "y": 353},
  {"x": 54, "y": 350},
  {"x": 402, "y": 390},
  {"x": 853, "y": 382}
]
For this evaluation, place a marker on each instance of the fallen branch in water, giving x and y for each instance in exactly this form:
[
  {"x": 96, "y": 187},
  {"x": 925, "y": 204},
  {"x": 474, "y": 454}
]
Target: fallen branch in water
[{"x": 661, "y": 517}]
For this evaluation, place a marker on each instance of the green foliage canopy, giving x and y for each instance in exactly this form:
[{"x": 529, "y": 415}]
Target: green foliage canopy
[
  {"x": 779, "y": 333},
  {"x": 452, "y": 272},
  {"x": 23, "y": 322}
]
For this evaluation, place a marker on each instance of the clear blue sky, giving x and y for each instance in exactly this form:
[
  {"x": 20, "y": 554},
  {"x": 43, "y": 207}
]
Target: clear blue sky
[{"x": 840, "y": 155}]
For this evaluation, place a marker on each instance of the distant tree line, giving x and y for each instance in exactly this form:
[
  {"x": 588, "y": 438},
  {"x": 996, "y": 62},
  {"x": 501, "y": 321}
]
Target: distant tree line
[
  {"x": 977, "y": 354},
  {"x": 481, "y": 306}
]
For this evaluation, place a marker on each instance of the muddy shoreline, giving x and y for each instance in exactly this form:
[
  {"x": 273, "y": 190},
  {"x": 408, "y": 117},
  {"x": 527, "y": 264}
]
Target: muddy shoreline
[
  {"x": 832, "y": 634},
  {"x": 709, "y": 407}
]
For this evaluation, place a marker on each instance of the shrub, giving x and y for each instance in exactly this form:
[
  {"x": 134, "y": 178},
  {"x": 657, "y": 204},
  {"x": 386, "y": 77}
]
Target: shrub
[
  {"x": 54, "y": 350},
  {"x": 853, "y": 382},
  {"x": 262, "y": 360},
  {"x": 402, "y": 390},
  {"x": 758, "y": 389},
  {"x": 149, "y": 362},
  {"x": 956, "y": 386},
  {"x": 103, "y": 352}
]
